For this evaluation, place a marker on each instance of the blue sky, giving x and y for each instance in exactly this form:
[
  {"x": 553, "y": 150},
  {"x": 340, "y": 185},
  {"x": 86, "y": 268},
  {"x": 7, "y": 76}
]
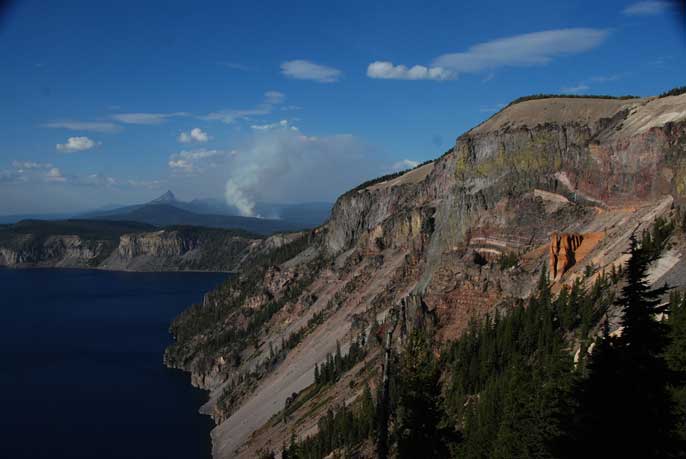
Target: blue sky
[{"x": 280, "y": 101}]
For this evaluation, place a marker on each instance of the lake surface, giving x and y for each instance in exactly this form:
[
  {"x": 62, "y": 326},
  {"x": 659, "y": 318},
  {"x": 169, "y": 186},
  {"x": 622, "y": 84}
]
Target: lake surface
[{"x": 81, "y": 373}]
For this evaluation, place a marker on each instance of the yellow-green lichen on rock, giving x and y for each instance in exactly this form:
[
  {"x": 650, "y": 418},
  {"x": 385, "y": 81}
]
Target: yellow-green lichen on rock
[
  {"x": 680, "y": 178},
  {"x": 537, "y": 156}
]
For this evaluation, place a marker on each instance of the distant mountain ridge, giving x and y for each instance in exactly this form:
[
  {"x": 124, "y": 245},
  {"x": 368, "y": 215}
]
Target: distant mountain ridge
[
  {"x": 209, "y": 212},
  {"x": 168, "y": 215},
  {"x": 167, "y": 210}
]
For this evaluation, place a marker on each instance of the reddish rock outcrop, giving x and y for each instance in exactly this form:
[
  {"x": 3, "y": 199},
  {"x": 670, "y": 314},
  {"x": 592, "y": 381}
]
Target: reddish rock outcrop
[{"x": 562, "y": 249}]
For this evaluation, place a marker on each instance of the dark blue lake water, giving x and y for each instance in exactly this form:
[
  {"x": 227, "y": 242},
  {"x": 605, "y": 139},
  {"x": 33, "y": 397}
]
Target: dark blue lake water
[{"x": 81, "y": 373}]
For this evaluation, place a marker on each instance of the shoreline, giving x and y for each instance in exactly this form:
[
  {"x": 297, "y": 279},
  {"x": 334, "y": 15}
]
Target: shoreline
[{"x": 99, "y": 268}]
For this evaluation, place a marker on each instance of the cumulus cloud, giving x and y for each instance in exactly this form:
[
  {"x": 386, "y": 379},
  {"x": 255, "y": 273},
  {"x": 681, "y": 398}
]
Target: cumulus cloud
[
  {"x": 196, "y": 161},
  {"x": 270, "y": 100},
  {"x": 195, "y": 135},
  {"x": 648, "y": 8},
  {"x": 31, "y": 172},
  {"x": 84, "y": 126},
  {"x": 146, "y": 118},
  {"x": 386, "y": 70},
  {"x": 537, "y": 48},
  {"x": 301, "y": 69},
  {"x": 282, "y": 165},
  {"x": 46, "y": 181},
  {"x": 75, "y": 144}
]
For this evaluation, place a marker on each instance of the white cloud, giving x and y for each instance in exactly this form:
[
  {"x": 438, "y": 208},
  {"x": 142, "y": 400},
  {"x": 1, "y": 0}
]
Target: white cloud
[
  {"x": 648, "y": 8},
  {"x": 76, "y": 144},
  {"x": 274, "y": 97},
  {"x": 31, "y": 172},
  {"x": 585, "y": 85},
  {"x": 99, "y": 180},
  {"x": 55, "y": 175},
  {"x": 537, "y": 48},
  {"x": 229, "y": 116},
  {"x": 195, "y": 135},
  {"x": 403, "y": 165},
  {"x": 197, "y": 161},
  {"x": 146, "y": 118},
  {"x": 305, "y": 70},
  {"x": 84, "y": 126},
  {"x": 21, "y": 165},
  {"x": 575, "y": 89},
  {"x": 270, "y": 101},
  {"x": 37, "y": 174},
  {"x": 96, "y": 180},
  {"x": 284, "y": 124},
  {"x": 386, "y": 70},
  {"x": 10, "y": 176}
]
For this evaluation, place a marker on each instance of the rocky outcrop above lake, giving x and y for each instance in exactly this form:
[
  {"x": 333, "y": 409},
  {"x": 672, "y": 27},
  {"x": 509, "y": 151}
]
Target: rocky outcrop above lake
[{"x": 35, "y": 244}]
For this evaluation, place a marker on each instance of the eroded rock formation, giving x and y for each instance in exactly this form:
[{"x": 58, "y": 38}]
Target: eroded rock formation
[{"x": 562, "y": 248}]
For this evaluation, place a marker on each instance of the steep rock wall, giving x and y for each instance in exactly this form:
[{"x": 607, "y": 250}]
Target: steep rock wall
[
  {"x": 59, "y": 251},
  {"x": 164, "y": 250},
  {"x": 596, "y": 168}
]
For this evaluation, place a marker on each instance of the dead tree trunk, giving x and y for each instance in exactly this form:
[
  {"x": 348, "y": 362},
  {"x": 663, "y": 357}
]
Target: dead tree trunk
[{"x": 382, "y": 438}]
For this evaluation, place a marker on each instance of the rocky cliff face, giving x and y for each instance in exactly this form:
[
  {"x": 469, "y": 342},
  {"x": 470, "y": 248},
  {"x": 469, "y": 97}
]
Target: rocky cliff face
[
  {"x": 58, "y": 251},
  {"x": 562, "y": 252},
  {"x": 157, "y": 244},
  {"x": 164, "y": 250},
  {"x": 447, "y": 242}
]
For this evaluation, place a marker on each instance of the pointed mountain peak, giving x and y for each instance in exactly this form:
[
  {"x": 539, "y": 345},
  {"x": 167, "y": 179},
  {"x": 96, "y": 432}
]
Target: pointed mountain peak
[{"x": 166, "y": 198}]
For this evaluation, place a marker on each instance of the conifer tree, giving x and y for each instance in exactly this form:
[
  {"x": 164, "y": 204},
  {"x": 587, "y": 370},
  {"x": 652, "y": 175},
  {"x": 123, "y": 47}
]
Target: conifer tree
[
  {"x": 367, "y": 411},
  {"x": 625, "y": 406},
  {"x": 676, "y": 353},
  {"x": 419, "y": 429}
]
